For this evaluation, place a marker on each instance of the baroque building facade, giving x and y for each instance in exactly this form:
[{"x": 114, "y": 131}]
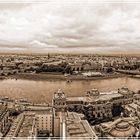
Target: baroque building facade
[{"x": 95, "y": 104}]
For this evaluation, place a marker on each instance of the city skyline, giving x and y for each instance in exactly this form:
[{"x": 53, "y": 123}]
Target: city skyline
[{"x": 70, "y": 26}]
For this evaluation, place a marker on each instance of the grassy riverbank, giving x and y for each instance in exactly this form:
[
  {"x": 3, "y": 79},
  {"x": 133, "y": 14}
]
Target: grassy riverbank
[{"x": 49, "y": 76}]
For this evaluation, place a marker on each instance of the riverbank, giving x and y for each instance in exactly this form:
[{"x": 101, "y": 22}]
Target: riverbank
[
  {"x": 136, "y": 76},
  {"x": 3, "y": 77},
  {"x": 35, "y": 76}
]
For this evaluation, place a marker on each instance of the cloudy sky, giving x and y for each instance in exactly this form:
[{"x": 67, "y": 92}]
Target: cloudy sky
[{"x": 99, "y": 26}]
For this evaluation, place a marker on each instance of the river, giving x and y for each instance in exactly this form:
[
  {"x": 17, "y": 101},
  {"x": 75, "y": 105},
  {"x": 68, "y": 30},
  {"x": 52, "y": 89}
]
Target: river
[{"x": 42, "y": 91}]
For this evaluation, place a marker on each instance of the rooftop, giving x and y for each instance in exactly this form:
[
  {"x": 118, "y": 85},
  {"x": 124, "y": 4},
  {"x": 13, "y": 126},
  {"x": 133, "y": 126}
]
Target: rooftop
[
  {"x": 3, "y": 110},
  {"x": 100, "y": 97},
  {"x": 77, "y": 127},
  {"x": 122, "y": 127},
  {"x": 22, "y": 126},
  {"x": 26, "y": 127}
]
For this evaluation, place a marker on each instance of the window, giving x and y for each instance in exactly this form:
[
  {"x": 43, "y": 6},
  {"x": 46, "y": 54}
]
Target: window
[{"x": 98, "y": 115}]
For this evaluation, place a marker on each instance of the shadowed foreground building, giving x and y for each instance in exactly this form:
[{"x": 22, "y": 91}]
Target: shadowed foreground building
[
  {"x": 72, "y": 124},
  {"x": 93, "y": 115},
  {"x": 48, "y": 124},
  {"x": 4, "y": 119},
  {"x": 94, "y": 104},
  {"x": 24, "y": 126}
]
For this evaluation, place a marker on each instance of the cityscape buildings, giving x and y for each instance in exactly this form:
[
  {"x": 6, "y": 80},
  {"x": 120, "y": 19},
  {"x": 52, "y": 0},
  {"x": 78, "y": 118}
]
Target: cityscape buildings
[
  {"x": 106, "y": 114},
  {"x": 69, "y": 69}
]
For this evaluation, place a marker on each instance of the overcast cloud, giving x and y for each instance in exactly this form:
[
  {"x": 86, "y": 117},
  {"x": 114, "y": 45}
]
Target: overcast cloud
[{"x": 70, "y": 25}]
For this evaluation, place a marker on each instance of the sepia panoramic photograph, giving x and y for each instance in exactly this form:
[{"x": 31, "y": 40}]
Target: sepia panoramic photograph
[{"x": 70, "y": 69}]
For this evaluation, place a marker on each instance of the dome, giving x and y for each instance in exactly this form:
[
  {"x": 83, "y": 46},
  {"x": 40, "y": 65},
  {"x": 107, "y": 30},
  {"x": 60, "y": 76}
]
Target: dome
[
  {"x": 123, "y": 126},
  {"x": 123, "y": 129}
]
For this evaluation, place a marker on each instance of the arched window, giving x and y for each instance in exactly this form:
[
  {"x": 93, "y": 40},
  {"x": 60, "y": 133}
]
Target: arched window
[{"x": 98, "y": 115}]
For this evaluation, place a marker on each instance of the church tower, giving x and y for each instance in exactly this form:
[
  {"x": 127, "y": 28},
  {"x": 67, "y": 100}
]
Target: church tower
[{"x": 59, "y": 100}]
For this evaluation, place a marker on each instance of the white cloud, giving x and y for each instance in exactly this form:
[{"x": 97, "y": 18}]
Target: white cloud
[{"x": 70, "y": 25}]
